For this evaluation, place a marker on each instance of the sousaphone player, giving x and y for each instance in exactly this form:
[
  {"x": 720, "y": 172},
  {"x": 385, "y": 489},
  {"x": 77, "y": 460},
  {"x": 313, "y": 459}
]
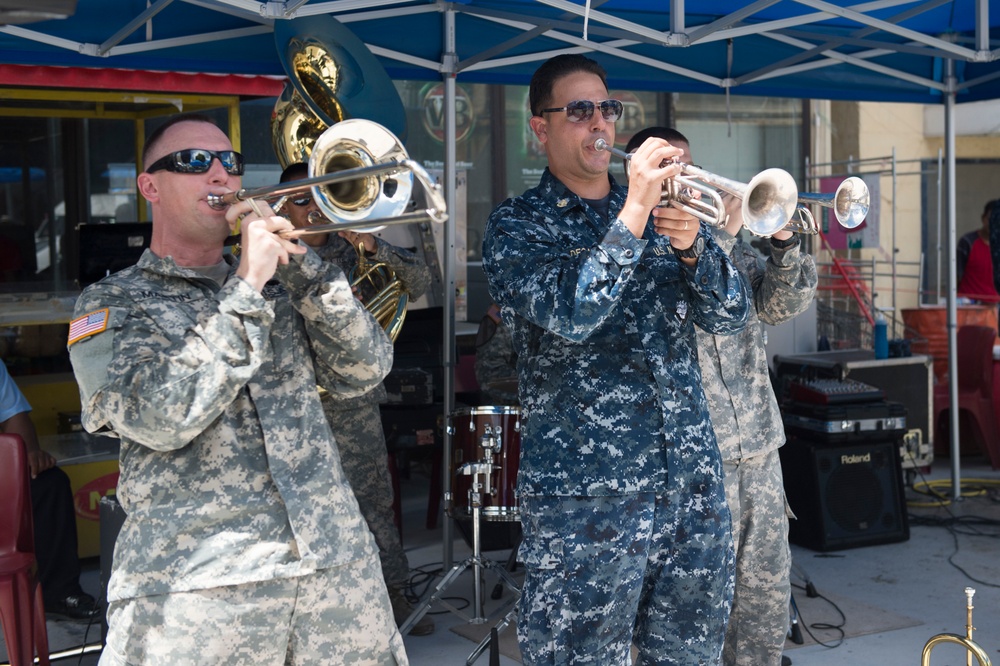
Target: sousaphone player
[{"x": 321, "y": 67}]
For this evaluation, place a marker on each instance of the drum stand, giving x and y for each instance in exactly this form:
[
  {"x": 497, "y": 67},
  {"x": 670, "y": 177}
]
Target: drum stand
[{"x": 477, "y": 563}]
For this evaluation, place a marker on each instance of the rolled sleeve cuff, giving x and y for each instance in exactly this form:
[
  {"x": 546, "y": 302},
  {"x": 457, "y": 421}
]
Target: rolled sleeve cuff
[{"x": 621, "y": 245}]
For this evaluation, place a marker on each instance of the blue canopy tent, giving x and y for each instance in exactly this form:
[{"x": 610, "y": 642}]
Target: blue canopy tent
[{"x": 918, "y": 51}]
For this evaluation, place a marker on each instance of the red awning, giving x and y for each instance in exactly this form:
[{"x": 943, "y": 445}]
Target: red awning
[{"x": 87, "y": 78}]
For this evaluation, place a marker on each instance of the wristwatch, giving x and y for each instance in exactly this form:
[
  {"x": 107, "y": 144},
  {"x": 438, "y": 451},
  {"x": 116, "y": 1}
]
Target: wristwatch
[
  {"x": 693, "y": 252},
  {"x": 788, "y": 242}
]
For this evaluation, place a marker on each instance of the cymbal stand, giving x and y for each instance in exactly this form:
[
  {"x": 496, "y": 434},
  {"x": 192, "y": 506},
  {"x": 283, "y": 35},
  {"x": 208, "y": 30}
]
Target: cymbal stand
[{"x": 476, "y": 561}]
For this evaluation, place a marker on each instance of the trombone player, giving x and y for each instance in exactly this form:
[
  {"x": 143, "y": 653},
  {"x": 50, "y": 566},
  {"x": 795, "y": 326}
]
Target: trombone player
[
  {"x": 243, "y": 541},
  {"x": 356, "y": 421}
]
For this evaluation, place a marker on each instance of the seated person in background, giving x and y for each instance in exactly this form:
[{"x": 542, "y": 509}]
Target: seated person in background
[
  {"x": 356, "y": 422},
  {"x": 52, "y": 511},
  {"x": 974, "y": 271},
  {"x": 496, "y": 360}
]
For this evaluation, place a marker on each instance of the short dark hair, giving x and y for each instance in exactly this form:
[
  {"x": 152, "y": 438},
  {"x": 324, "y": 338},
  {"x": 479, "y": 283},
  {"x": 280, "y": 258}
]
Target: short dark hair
[
  {"x": 990, "y": 205},
  {"x": 555, "y": 68},
  {"x": 158, "y": 133},
  {"x": 294, "y": 171},
  {"x": 668, "y": 133}
]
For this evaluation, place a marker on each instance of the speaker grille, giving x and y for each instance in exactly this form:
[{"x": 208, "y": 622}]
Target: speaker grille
[
  {"x": 845, "y": 494},
  {"x": 855, "y": 497}
]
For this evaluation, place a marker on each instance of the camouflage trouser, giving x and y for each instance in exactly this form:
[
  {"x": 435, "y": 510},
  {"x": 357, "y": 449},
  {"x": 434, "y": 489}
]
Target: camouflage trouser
[
  {"x": 602, "y": 572},
  {"x": 759, "y": 621},
  {"x": 357, "y": 428},
  {"x": 335, "y": 616}
]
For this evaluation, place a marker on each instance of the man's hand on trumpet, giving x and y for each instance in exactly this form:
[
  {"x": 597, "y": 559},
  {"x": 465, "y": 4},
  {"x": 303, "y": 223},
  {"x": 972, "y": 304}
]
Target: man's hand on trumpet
[
  {"x": 649, "y": 166},
  {"x": 262, "y": 249},
  {"x": 680, "y": 226}
]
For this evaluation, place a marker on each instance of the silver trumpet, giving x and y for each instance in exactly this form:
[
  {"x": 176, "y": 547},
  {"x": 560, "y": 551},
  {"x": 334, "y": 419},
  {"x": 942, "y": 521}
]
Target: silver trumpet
[
  {"x": 850, "y": 203},
  {"x": 769, "y": 200}
]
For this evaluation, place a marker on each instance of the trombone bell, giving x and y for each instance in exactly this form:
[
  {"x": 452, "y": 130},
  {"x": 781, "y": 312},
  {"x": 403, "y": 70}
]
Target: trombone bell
[
  {"x": 352, "y": 144},
  {"x": 361, "y": 178}
]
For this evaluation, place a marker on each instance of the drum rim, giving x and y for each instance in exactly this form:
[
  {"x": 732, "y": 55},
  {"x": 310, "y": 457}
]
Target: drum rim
[{"x": 486, "y": 410}]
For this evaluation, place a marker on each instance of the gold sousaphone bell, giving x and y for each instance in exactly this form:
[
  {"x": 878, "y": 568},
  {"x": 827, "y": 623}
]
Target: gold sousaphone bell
[{"x": 341, "y": 114}]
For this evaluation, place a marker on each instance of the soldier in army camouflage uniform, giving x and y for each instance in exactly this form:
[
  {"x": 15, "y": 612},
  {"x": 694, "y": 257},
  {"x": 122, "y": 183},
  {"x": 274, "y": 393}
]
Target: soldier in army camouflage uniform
[
  {"x": 626, "y": 531},
  {"x": 356, "y": 422},
  {"x": 748, "y": 426},
  {"x": 496, "y": 360},
  {"x": 243, "y": 543}
]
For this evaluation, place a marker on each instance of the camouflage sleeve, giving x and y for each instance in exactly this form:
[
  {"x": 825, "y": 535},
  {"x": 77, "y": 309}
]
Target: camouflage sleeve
[
  {"x": 496, "y": 358},
  {"x": 719, "y": 294},
  {"x": 783, "y": 286},
  {"x": 566, "y": 290},
  {"x": 158, "y": 388},
  {"x": 408, "y": 266},
  {"x": 351, "y": 352}
]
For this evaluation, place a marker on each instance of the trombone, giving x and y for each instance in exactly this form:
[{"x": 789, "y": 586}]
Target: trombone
[
  {"x": 360, "y": 177},
  {"x": 769, "y": 199}
]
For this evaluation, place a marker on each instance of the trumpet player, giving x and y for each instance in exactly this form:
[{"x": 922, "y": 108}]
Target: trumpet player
[
  {"x": 748, "y": 427},
  {"x": 243, "y": 542},
  {"x": 356, "y": 421},
  {"x": 626, "y": 531}
]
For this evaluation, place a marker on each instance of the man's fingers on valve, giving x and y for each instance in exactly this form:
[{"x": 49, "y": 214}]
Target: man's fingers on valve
[{"x": 675, "y": 223}]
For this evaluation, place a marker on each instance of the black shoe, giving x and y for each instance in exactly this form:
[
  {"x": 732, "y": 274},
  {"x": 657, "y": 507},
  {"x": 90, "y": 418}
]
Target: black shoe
[
  {"x": 786, "y": 661},
  {"x": 79, "y": 606}
]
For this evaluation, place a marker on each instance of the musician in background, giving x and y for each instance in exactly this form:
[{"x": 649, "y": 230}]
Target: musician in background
[
  {"x": 496, "y": 360},
  {"x": 243, "y": 542},
  {"x": 748, "y": 427},
  {"x": 626, "y": 531},
  {"x": 356, "y": 422}
]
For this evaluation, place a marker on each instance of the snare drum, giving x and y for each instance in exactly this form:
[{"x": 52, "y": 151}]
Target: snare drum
[{"x": 499, "y": 429}]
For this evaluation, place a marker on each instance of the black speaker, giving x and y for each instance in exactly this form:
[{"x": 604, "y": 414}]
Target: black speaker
[{"x": 844, "y": 495}]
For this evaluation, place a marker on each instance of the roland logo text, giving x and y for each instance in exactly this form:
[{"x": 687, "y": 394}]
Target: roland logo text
[{"x": 854, "y": 460}]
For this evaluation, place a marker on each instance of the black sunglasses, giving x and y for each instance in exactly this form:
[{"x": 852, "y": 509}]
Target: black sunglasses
[
  {"x": 582, "y": 110},
  {"x": 198, "y": 160},
  {"x": 302, "y": 201}
]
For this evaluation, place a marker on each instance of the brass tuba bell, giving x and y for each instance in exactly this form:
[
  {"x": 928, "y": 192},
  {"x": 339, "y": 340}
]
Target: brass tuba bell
[{"x": 340, "y": 112}]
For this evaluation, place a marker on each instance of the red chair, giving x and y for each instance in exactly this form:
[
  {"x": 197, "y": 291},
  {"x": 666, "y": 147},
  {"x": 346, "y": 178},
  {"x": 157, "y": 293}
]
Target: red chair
[
  {"x": 21, "y": 610},
  {"x": 975, "y": 395}
]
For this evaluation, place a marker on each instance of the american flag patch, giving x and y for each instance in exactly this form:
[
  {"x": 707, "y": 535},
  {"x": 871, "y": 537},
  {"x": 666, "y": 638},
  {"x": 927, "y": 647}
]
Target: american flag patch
[{"x": 88, "y": 324}]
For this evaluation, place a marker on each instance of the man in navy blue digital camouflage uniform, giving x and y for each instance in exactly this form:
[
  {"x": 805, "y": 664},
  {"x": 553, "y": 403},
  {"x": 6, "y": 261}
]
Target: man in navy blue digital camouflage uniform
[{"x": 626, "y": 529}]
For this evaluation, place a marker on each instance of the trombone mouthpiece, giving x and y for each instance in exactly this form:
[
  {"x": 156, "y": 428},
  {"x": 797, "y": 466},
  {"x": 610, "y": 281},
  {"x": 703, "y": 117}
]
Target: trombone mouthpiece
[{"x": 217, "y": 201}]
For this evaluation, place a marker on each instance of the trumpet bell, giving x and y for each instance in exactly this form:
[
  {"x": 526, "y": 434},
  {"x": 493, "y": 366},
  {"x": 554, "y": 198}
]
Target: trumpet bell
[
  {"x": 353, "y": 144},
  {"x": 851, "y": 202},
  {"x": 769, "y": 202}
]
